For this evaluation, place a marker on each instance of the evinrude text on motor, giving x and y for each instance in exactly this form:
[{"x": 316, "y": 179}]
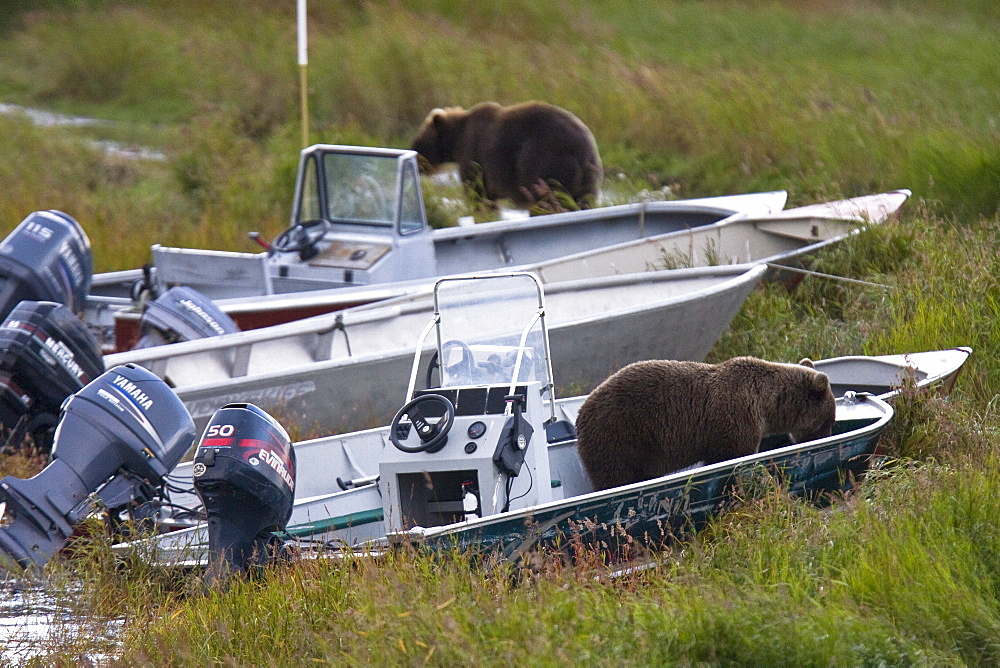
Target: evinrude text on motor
[
  {"x": 244, "y": 473},
  {"x": 46, "y": 354},
  {"x": 46, "y": 258},
  {"x": 182, "y": 314},
  {"x": 117, "y": 440}
]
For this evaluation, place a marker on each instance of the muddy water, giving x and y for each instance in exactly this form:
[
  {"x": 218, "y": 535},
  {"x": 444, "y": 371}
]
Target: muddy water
[
  {"x": 51, "y": 119},
  {"x": 34, "y": 623}
]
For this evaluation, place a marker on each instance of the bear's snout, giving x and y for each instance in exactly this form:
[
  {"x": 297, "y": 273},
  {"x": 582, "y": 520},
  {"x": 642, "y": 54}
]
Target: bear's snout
[{"x": 823, "y": 431}]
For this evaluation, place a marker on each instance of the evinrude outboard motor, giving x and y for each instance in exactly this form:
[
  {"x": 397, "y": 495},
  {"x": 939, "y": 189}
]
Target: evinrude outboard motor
[
  {"x": 182, "y": 314},
  {"x": 244, "y": 473},
  {"x": 46, "y": 354},
  {"x": 46, "y": 258},
  {"x": 117, "y": 439}
]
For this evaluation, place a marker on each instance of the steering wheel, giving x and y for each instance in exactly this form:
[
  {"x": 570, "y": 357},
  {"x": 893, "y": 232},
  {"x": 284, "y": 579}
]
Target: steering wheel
[
  {"x": 504, "y": 366},
  {"x": 466, "y": 364},
  {"x": 302, "y": 236},
  {"x": 432, "y": 436}
]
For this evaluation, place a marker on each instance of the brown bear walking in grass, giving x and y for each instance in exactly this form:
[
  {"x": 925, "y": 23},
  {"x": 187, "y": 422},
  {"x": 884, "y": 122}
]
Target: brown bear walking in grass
[
  {"x": 529, "y": 152},
  {"x": 654, "y": 417}
]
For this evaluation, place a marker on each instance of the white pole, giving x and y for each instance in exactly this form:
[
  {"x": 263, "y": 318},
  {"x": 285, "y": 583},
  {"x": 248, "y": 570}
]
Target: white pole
[{"x": 303, "y": 62}]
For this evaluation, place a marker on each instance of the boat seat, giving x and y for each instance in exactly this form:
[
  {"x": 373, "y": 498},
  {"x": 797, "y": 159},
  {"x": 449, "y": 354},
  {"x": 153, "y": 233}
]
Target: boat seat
[
  {"x": 560, "y": 430},
  {"x": 215, "y": 274}
]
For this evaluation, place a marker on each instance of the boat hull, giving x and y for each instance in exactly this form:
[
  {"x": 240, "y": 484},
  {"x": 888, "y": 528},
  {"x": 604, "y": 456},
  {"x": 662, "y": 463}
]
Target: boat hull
[
  {"x": 622, "y": 521},
  {"x": 886, "y": 375},
  {"x": 655, "y": 315},
  {"x": 618, "y": 521},
  {"x": 254, "y": 290}
]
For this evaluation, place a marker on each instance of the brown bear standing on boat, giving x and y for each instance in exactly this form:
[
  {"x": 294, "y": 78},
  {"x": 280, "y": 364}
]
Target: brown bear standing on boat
[
  {"x": 654, "y": 417},
  {"x": 523, "y": 152}
]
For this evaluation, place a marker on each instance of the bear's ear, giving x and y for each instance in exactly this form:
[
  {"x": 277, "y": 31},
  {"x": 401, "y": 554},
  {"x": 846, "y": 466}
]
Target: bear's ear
[
  {"x": 805, "y": 361},
  {"x": 438, "y": 117},
  {"x": 820, "y": 382}
]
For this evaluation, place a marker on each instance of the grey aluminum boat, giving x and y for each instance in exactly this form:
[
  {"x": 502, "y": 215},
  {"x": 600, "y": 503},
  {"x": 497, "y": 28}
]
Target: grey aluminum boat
[
  {"x": 885, "y": 376},
  {"x": 783, "y": 238},
  {"x": 358, "y": 220},
  {"x": 282, "y": 367},
  {"x": 347, "y": 370}
]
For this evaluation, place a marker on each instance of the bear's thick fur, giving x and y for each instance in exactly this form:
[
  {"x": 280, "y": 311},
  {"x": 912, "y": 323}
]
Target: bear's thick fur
[
  {"x": 658, "y": 416},
  {"x": 518, "y": 152}
]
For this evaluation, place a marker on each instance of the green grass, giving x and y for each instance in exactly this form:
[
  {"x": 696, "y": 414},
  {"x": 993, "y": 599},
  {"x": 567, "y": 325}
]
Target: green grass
[
  {"x": 825, "y": 99},
  {"x": 903, "y": 572}
]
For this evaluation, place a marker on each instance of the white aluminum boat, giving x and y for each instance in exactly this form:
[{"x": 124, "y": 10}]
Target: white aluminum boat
[{"x": 499, "y": 471}]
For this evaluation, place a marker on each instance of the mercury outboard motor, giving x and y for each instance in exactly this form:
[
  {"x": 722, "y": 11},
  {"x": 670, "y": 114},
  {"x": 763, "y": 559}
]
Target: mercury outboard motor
[
  {"x": 182, "y": 314},
  {"x": 116, "y": 441},
  {"x": 46, "y": 354},
  {"x": 244, "y": 473},
  {"x": 46, "y": 258}
]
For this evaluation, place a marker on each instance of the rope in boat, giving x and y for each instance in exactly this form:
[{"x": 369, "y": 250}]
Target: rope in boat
[
  {"x": 831, "y": 276},
  {"x": 338, "y": 323}
]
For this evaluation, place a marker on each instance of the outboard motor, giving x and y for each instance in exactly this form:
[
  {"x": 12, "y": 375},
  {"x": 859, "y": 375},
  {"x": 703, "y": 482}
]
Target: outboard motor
[
  {"x": 244, "y": 473},
  {"x": 46, "y": 258},
  {"x": 182, "y": 314},
  {"x": 116, "y": 441},
  {"x": 46, "y": 354}
]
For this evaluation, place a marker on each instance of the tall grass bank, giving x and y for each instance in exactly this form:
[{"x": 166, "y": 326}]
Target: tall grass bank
[{"x": 824, "y": 99}]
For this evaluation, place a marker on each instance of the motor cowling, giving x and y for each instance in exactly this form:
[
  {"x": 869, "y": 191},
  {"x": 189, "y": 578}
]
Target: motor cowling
[
  {"x": 46, "y": 258},
  {"x": 46, "y": 354},
  {"x": 182, "y": 314},
  {"x": 116, "y": 441},
  {"x": 244, "y": 473}
]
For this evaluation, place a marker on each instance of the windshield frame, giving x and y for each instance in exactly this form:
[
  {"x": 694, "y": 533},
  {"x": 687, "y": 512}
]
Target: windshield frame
[
  {"x": 315, "y": 194},
  {"x": 499, "y": 314}
]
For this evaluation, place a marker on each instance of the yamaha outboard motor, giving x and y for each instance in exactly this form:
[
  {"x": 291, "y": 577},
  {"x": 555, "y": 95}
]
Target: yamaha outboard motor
[
  {"x": 46, "y": 354},
  {"x": 116, "y": 441},
  {"x": 46, "y": 258},
  {"x": 244, "y": 473},
  {"x": 182, "y": 314}
]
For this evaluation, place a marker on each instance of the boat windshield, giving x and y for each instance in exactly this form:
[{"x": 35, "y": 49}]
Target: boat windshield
[
  {"x": 490, "y": 328},
  {"x": 360, "y": 188}
]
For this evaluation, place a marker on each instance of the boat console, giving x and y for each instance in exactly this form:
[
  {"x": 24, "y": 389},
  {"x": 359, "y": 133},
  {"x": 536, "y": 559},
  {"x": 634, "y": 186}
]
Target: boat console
[
  {"x": 358, "y": 219},
  {"x": 475, "y": 446},
  {"x": 485, "y": 454}
]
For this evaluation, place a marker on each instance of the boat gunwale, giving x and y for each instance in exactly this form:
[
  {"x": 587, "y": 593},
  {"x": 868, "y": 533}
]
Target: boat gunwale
[{"x": 596, "y": 215}]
